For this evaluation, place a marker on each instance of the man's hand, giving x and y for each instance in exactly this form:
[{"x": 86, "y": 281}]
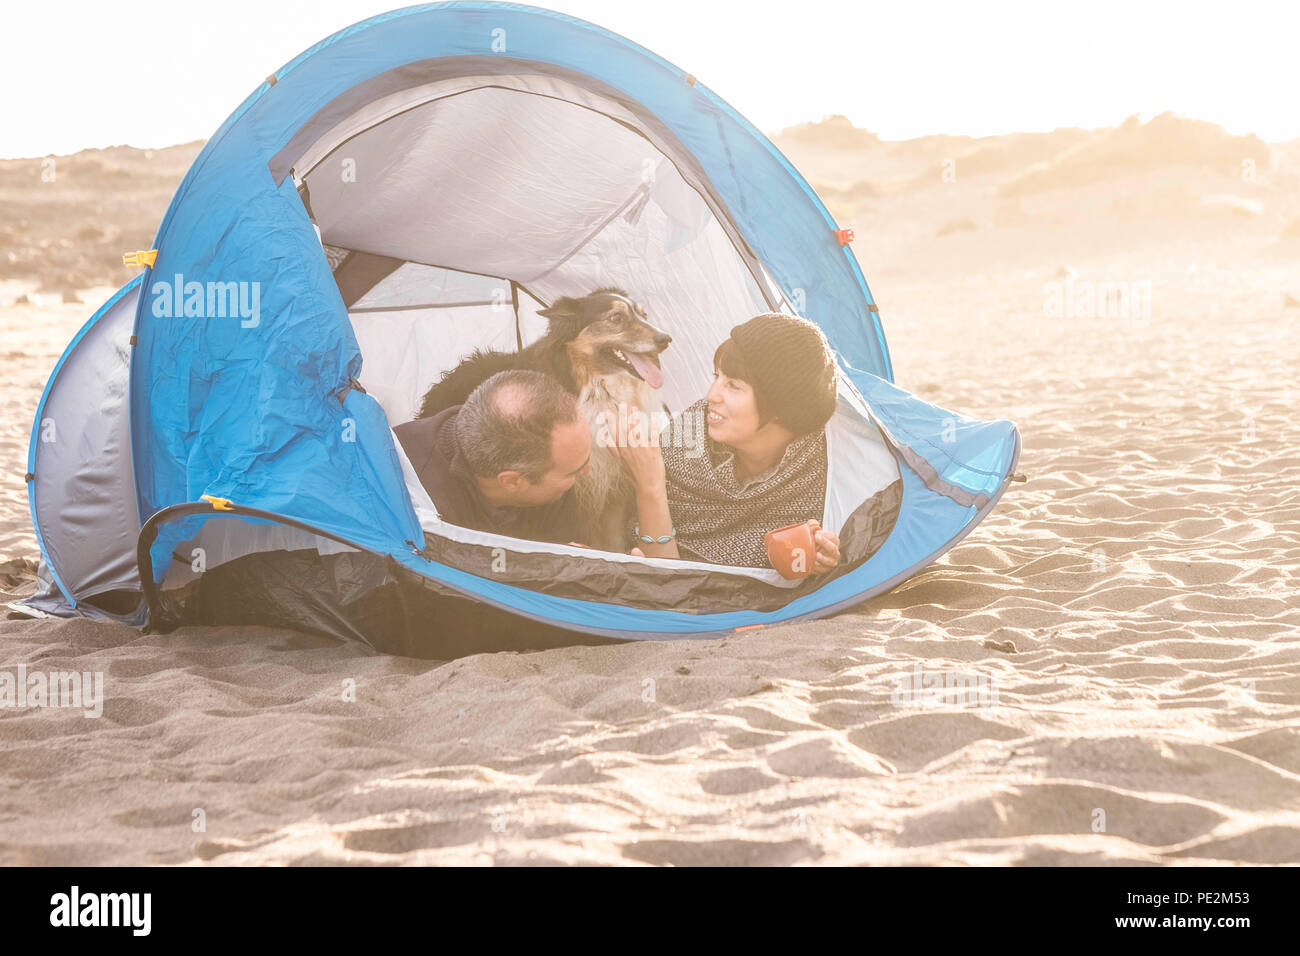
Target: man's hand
[{"x": 828, "y": 549}]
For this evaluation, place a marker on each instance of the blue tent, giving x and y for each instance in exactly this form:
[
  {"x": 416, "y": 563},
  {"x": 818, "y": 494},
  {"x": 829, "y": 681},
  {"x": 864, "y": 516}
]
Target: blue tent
[{"x": 414, "y": 186}]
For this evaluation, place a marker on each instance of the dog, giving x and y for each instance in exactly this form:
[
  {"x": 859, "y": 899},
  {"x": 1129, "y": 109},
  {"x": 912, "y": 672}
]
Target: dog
[{"x": 603, "y": 350}]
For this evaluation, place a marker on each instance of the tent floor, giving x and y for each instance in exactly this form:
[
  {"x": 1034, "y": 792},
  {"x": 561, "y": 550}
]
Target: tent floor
[{"x": 358, "y": 596}]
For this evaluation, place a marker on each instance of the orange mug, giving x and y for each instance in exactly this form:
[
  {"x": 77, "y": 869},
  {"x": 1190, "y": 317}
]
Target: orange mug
[{"x": 792, "y": 550}]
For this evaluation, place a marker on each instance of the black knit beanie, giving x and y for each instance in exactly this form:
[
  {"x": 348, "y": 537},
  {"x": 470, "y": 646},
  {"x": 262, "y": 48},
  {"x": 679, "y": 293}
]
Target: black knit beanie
[{"x": 788, "y": 362}]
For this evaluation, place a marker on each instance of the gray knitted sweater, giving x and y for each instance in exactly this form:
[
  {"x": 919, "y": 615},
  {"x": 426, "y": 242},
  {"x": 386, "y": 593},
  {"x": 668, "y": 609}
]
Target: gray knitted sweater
[{"x": 723, "y": 520}]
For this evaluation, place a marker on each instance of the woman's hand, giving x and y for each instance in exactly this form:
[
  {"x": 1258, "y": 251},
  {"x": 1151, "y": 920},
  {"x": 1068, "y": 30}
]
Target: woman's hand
[
  {"x": 638, "y": 451},
  {"x": 828, "y": 548}
]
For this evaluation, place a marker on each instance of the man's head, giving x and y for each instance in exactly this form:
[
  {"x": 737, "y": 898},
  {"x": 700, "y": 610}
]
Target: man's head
[{"x": 524, "y": 438}]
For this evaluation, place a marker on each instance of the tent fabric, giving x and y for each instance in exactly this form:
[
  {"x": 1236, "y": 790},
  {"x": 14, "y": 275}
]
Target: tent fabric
[
  {"x": 81, "y": 487},
  {"x": 501, "y": 156},
  {"x": 418, "y": 322}
]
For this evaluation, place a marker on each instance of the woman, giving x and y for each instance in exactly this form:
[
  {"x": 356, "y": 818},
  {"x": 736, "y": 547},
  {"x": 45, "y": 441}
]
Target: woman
[{"x": 764, "y": 463}]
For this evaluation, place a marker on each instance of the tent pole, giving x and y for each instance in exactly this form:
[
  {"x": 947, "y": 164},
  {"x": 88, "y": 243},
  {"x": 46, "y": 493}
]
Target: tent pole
[{"x": 514, "y": 301}]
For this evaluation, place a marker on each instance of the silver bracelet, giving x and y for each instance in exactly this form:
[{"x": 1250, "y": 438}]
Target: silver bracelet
[{"x": 646, "y": 539}]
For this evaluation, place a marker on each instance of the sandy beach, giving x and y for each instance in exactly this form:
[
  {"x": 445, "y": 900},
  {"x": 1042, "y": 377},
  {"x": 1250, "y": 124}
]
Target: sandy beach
[{"x": 1125, "y": 625}]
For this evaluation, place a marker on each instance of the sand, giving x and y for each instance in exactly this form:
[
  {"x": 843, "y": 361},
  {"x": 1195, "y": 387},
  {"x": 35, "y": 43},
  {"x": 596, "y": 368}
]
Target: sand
[{"x": 1125, "y": 625}]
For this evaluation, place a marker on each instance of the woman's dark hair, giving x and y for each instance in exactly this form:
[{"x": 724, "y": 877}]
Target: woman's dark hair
[
  {"x": 730, "y": 361},
  {"x": 788, "y": 363}
]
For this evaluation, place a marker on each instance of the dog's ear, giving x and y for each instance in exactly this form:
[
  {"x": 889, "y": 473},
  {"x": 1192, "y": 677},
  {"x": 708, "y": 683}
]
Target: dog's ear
[{"x": 563, "y": 317}]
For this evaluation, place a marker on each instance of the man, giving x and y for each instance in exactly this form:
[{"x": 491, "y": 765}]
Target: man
[{"x": 506, "y": 460}]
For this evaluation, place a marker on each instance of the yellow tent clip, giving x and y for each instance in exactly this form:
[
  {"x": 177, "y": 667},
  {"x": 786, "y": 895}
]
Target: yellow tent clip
[
  {"x": 138, "y": 260},
  {"x": 218, "y": 504}
]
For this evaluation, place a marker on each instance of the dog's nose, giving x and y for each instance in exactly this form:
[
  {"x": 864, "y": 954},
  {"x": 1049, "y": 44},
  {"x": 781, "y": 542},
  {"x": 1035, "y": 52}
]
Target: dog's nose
[{"x": 663, "y": 340}]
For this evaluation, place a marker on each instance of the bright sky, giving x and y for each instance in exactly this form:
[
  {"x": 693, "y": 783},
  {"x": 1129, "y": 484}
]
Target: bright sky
[{"x": 157, "y": 72}]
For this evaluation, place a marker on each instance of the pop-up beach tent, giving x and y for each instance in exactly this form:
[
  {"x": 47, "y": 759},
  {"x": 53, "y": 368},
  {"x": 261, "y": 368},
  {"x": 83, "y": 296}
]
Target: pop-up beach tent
[{"x": 215, "y": 445}]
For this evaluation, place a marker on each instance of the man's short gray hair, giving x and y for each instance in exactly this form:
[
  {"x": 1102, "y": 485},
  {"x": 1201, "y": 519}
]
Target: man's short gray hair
[{"x": 506, "y": 423}]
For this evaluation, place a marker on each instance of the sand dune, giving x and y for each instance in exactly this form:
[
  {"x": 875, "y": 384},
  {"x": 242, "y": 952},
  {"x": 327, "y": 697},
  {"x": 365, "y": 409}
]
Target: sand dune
[
  {"x": 68, "y": 219},
  {"x": 1119, "y": 642},
  {"x": 1167, "y": 140}
]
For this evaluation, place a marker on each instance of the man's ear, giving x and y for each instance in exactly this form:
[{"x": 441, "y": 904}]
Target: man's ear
[
  {"x": 512, "y": 480},
  {"x": 563, "y": 317}
]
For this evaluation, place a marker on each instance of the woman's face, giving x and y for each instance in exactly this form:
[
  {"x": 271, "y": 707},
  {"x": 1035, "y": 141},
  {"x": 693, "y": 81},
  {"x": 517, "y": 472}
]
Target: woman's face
[{"x": 733, "y": 410}]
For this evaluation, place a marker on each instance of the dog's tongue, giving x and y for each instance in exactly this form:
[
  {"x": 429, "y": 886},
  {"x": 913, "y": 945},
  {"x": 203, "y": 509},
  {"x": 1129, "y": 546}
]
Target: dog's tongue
[{"x": 653, "y": 375}]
